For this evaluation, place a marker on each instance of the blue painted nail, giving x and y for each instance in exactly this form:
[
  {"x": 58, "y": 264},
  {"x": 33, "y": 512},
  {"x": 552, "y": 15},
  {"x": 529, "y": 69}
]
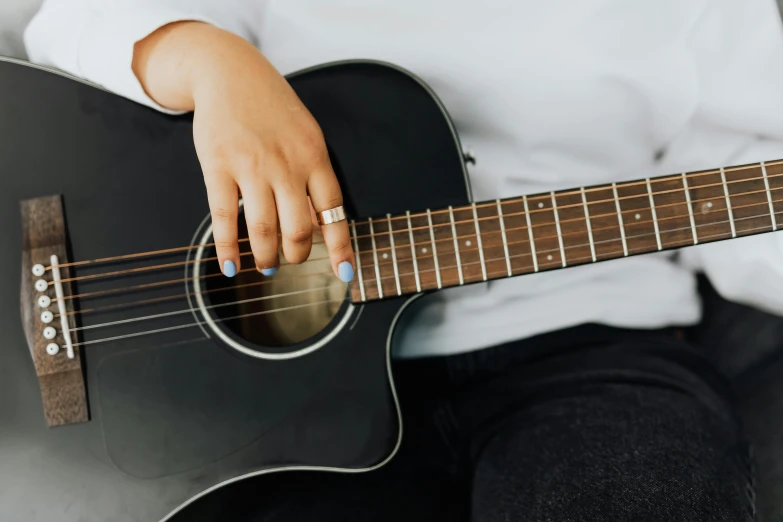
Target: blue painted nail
[
  {"x": 345, "y": 271},
  {"x": 229, "y": 268},
  {"x": 269, "y": 271}
]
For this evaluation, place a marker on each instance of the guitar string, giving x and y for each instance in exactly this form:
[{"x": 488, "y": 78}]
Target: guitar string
[
  {"x": 176, "y": 264},
  {"x": 626, "y": 225},
  {"x": 187, "y": 310},
  {"x": 574, "y": 246},
  {"x": 673, "y": 178},
  {"x": 534, "y": 211},
  {"x": 146, "y": 286},
  {"x": 386, "y": 233},
  {"x": 555, "y": 263},
  {"x": 201, "y": 323},
  {"x": 421, "y": 257},
  {"x": 283, "y": 309},
  {"x": 182, "y": 280},
  {"x": 171, "y": 297}
]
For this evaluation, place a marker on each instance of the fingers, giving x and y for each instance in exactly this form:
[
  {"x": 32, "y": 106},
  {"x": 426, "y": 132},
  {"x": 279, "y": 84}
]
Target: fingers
[
  {"x": 223, "y": 197},
  {"x": 325, "y": 194},
  {"x": 272, "y": 196},
  {"x": 296, "y": 230},
  {"x": 261, "y": 217}
]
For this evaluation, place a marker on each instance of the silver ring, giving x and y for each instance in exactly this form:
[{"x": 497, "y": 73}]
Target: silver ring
[{"x": 333, "y": 215}]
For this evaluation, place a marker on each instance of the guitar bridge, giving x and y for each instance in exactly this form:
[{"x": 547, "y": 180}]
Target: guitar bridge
[{"x": 46, "y": 312}]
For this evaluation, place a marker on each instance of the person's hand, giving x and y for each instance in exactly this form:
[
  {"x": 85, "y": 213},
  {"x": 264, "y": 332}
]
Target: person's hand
[{"x": 253, "y": 136}]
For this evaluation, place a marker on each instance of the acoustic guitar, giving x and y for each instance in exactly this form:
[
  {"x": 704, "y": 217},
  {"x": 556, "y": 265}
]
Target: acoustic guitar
[{"x": 135, "y": 379}]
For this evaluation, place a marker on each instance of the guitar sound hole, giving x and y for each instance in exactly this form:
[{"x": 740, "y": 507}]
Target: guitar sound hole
[{"x": 293, "y": 308}]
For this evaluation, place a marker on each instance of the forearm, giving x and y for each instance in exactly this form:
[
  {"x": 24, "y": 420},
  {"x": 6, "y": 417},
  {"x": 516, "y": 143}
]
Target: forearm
[{"x": 183, "y": 61}]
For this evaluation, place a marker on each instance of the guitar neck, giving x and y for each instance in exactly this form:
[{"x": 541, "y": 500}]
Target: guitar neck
[{"x": 439, "y": 248}]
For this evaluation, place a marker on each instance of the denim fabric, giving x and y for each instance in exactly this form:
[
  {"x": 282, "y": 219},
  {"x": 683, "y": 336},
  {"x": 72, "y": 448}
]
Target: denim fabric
[{"x": 591, "y": 423}]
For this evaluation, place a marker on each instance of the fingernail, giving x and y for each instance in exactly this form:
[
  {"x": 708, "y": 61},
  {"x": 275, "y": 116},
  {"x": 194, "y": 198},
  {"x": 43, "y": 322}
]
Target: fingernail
[
  {"x": 345, "y": 271},
  {"x": 229, "y": 268},
  {"x": 269, "y": 271}
]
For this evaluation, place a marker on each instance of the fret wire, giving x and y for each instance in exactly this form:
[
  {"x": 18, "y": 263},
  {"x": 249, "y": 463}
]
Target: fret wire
[
  {"x": 600, "y": 215},
  {"x": 413, "y": 252},
  {"x": 480, "y": 245},
  {"x": 654, "y": 215},
  {"x": 375, "y": 258},
  {"x": 609, "y": 228},
  {"x": 394, "y": 255},
  {"x": 725, "y": 185},
  {"x": 690, "y": 208},
  {"x": 739, "y": 219},
  {"x": 456, "y": 245},
  {"x": 589, "y": 228},
  {"x": 620, "y": 219},
  {"x": 660, "y": 193},
  {"x": 434, "y": 250},
  {"x": 641, "y": 250},
  {"x": 714, "y": 236},
  {"x": 591, "y": 189},
  {"x": 728, "y": 202},
  {"x": 769, "y": 197},
  {"x": 559, "y": 232},
  {"x": 628, "y": 184},
  {"x": 503, "y": 235},
  {"x": 358, "y": 261},
  {"x": 681, "y": 216},
  {"x": 530, "y": 234}
]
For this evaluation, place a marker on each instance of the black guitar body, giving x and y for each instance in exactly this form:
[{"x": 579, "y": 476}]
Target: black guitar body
[{"x": 176, "y": 414}]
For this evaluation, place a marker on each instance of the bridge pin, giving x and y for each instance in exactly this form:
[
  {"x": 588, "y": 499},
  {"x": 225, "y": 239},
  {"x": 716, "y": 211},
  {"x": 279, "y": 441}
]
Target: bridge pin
[{"x": 49, "y": 333}]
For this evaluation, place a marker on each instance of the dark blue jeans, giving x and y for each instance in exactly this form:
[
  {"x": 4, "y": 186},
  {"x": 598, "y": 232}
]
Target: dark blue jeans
[{"x": 590, "y": 423}]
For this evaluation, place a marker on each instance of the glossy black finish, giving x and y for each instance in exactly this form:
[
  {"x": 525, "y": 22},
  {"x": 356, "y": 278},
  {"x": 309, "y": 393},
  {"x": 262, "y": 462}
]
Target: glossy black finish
[{"x": 176, "y": 414}]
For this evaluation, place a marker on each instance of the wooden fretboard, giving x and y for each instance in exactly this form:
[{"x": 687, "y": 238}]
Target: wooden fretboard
[{"x": 414, "y": 252}]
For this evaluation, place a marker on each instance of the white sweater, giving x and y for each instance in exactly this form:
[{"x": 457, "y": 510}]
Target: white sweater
[{"x": 549, "y": 95}]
